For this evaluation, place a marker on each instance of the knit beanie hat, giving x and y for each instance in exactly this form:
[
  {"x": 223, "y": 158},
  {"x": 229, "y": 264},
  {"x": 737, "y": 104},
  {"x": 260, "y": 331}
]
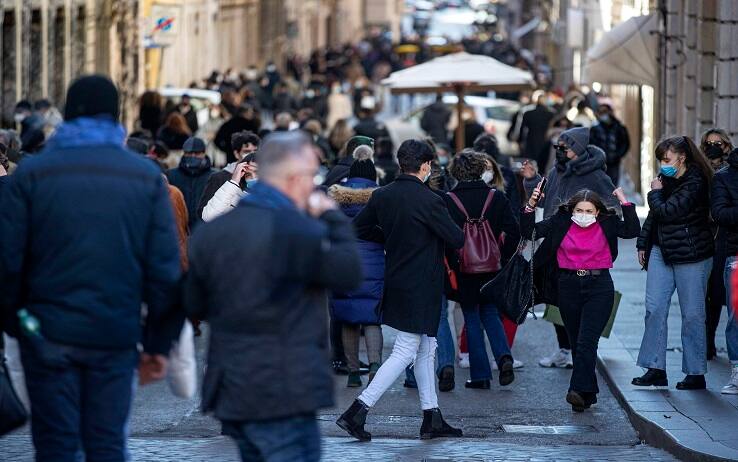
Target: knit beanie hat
[
  {"x": 363, "y": 168},
  {"x": 91, "y": 95},
  {"x": 576, "y": 139}
]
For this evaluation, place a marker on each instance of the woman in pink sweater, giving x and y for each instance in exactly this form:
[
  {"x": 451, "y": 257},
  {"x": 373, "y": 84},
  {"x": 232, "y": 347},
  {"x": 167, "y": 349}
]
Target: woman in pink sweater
[{"x": 581, "y": 243}]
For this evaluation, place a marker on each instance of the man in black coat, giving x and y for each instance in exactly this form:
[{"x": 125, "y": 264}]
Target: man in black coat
[
  {"x": 435, "y": 119},
  {"x": 268, "y": 371},
  {"x": 191, "y": 176},
  {"x": 612, "y": 137},
  {"x": 533, "y": 130},
  {"x": 242, "y": 120},
  {"x": 415, "y": 226}
]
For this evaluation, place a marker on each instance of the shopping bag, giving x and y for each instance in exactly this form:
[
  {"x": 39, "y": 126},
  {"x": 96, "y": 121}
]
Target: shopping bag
[
  {"x": 182, "y": 370},
  {"x": 553, "y": 315}
]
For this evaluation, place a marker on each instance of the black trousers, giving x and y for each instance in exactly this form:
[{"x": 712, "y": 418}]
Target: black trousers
[
  {"x": 715, "y": 297},
  {"x": 562, "y": 337},
  {"x": 585, "y": 303}
]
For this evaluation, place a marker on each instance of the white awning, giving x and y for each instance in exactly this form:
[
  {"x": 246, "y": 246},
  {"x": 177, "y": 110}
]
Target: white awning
[
  {"x": 626, "y": 54},
  {"x": 475, "y": 72}
]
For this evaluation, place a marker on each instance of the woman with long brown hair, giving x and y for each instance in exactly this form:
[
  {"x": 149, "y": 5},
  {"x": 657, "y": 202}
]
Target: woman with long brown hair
[
  {"x": 174, "y": 132},
  {"x": 676, "y": 247},
  {"x": 581, "y": 241}
]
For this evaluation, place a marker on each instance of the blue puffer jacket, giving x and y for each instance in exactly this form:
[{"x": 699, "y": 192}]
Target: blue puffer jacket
[
  {"x": 360, "y": 306},
  {"x": 88, "y": 236}
]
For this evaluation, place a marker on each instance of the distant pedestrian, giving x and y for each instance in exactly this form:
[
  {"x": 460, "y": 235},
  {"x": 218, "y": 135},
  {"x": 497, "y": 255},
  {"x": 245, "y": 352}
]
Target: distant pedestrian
[
  {"x": 612, "y": 137},
  {"x": 724, "y": 208},
  {"x": 532, "y": 134},
  {"x": 93, "y": 239},
  {"x": 581, "y": 239},
  {"x": 340, "y": 171},
  {"x": 360, "y": 308},
  {"x": 268, "y": 371},
  {"x": 174, "y": 132},
  {"x": 676, "y": 247},
  {"x": 716, "y": 146},
  {"x": 243, "y": 119},
  {"x": 244, "y": 146},
  {"x": 188, "y": 112},
  {"x": 414, "y": 225},
  {"x": 191, "y": 176},
  {"x": 473, "y": 199},
  {"x": 435, "y": 120}
]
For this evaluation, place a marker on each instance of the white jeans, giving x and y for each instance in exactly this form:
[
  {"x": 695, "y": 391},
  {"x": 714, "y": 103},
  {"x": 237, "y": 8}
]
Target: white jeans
[{"x": 408, "y": 348}]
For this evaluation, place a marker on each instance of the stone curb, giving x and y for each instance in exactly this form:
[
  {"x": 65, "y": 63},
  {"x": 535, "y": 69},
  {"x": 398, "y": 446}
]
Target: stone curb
[{"x": 649, "y": 430}]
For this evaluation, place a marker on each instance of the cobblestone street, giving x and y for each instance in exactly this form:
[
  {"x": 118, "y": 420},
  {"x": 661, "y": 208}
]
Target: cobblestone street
[{"x": 220, "y": 449}]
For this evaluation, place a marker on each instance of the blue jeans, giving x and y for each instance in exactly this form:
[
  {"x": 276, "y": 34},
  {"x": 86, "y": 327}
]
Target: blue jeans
[
  {"x": 731, "y": 329},
  {"x": 292, "y": 439},
  {"x": 690, "y": 282},
  {"x": 80, "y": 400},
  {"x": 445, "y": 351},
  {"x": 479, "y": 319}
]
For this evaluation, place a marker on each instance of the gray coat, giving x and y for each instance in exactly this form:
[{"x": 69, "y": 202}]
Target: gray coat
[{"x": 587, "y": 171}]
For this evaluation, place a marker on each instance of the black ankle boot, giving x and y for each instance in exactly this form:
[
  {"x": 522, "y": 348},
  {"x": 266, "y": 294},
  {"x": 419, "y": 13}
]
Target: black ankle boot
[
  {"x": 692, "y": 382},
  {"x": 446, "y": 379},
  {"x": 353, "y": 420},
  {"x": 435, "y": 427},
  {"x": 653, "y": 377},
  {"x": 506, "y": 371},
  {"x": 577, "y": 401}
]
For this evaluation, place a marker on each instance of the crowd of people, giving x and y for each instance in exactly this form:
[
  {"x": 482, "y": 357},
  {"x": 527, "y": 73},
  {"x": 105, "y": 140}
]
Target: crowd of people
[{"x": 291, "y": 227}]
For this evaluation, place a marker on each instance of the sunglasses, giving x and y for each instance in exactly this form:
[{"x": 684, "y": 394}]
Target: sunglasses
[
  {"x": 560, "y": 148},
  {"x": 714, "y": 143}
]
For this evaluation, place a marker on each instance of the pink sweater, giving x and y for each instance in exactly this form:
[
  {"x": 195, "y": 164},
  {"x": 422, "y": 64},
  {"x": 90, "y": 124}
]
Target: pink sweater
[{"x": 584, "y": 248}]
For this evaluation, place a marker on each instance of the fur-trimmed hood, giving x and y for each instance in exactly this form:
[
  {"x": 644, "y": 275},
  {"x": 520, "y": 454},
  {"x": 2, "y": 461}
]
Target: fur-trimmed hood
[{"x": 350, "y": 196}]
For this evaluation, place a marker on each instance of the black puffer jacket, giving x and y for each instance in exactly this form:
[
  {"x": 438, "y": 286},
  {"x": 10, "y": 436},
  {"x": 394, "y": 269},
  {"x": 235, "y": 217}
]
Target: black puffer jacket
[
  {"x": 679, "y": 220},
  {"x": 725, "y": 202}
]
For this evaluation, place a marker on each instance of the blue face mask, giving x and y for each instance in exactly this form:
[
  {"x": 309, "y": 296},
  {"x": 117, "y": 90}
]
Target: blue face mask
[
  {"x": 250, "y": 183},
  {"x": 668, "y": 170}
]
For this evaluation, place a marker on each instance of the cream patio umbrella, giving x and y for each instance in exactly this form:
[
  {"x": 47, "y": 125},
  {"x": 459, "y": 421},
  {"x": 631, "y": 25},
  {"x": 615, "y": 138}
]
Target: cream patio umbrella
[{"x": 461, "y": 73}]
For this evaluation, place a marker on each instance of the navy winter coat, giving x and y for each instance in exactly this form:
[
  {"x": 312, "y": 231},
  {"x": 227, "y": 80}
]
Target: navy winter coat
[
  {"x": 360, "y": 306},
  {"x": 88, "y": 236}
]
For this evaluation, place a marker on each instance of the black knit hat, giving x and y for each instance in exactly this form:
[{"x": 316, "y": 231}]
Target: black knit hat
[
  {"x": 91, "y": 95},
  {"x": 363, "y": 169}
]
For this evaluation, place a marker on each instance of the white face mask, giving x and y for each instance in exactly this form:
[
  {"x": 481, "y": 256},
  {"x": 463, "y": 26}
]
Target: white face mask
[
  {"x": 19, "y": 117},
  {"x": 488, "y": 176},
  {"x": 427, "y": 176},
  {"x": 584, "y": 219}
]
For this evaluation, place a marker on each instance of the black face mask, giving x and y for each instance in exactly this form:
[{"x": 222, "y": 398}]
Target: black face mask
[
  {"x": 561, "y": 158},
  {"x": 714, "y": 152}
]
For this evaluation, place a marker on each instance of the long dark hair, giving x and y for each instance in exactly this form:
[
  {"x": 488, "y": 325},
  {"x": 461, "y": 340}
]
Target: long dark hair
[
  {"x": 694, "y": 157},
  {"x": 586, "y": 195}
]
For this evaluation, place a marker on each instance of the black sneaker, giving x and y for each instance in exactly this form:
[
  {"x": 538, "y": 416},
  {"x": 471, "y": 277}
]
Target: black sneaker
[
  {"x": 446, "y": 379},
  {"x": 692, "y": 382},
  {"x": 653, "y": 377}
]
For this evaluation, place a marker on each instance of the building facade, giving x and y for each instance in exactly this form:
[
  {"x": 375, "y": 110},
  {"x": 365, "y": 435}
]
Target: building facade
[{"x": 145, "y": 44}]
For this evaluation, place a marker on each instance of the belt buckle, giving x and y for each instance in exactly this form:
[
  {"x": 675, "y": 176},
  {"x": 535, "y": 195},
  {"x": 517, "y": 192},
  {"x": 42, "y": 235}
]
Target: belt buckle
[{"x": 581, "y": 273}]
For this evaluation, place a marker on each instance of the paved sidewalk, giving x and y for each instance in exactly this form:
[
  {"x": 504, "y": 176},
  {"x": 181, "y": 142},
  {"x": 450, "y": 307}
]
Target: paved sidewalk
[{"x": 693, "y": 425}]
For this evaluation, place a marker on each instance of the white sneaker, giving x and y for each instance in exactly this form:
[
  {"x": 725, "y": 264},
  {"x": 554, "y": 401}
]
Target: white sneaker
[
  {"x": 561, "y": 358},
  {"x": 464, "y": 360},
  {"x": 732, "y": 387},
  {"x": 516, "y": 364}
]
